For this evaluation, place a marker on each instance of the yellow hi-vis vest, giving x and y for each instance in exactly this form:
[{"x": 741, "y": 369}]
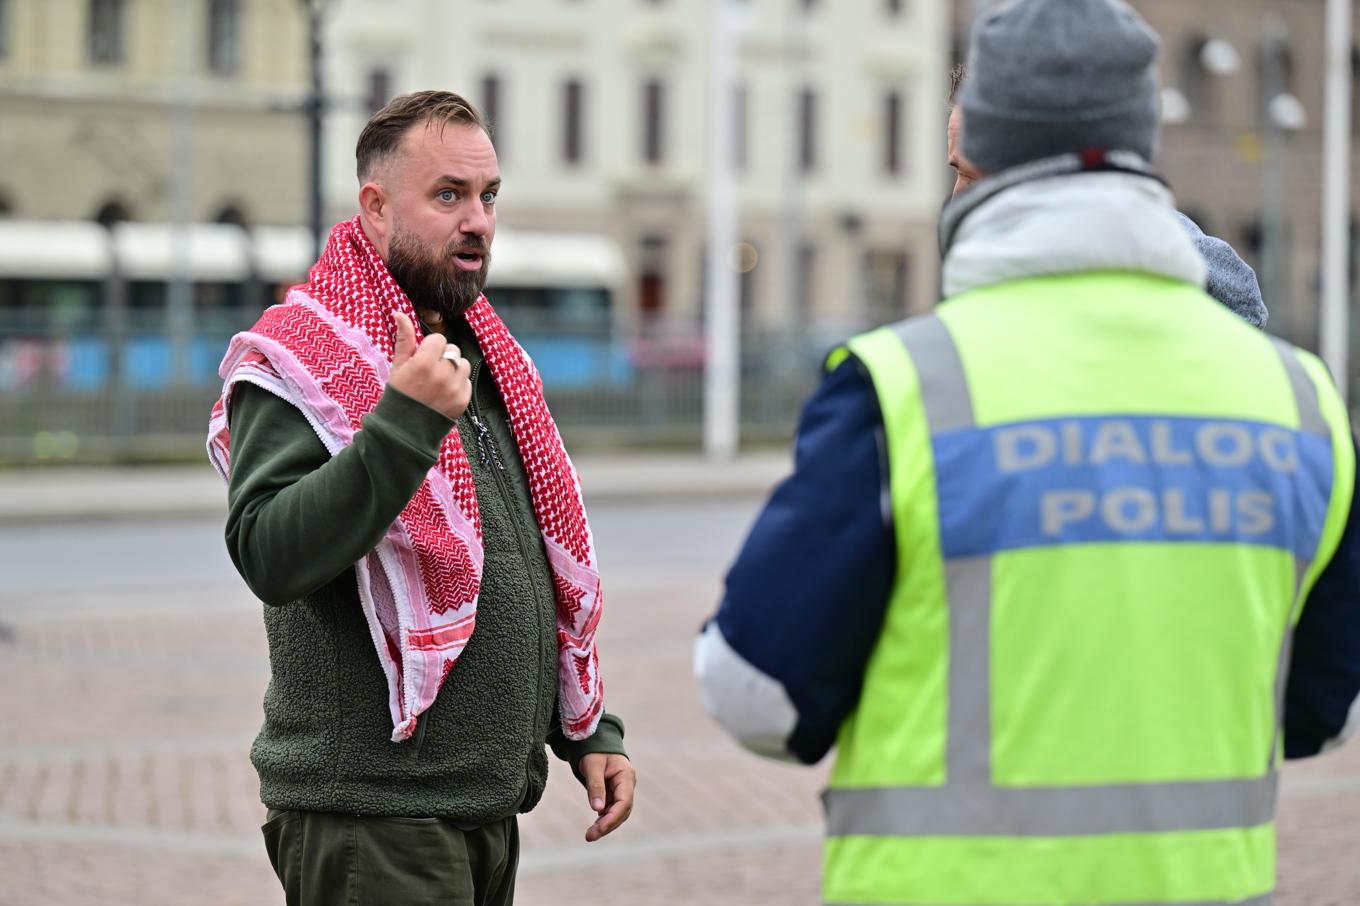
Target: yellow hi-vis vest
[{"x": 1110, "y": 500}]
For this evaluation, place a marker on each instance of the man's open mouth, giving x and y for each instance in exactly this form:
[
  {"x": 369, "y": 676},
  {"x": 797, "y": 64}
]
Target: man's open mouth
[{"x": 468, "y": 261}]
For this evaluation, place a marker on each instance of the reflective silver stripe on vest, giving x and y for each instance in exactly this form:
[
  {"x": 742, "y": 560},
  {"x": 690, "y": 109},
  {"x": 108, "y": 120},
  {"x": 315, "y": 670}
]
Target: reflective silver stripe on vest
[
  {"x": 968, "y": 581},
  {"x": 969, "y": 804},
  {"x": 944, "y": 389},
  {"x": 1311, "y": 419},
  {"x": 1263, "y": 900},
  {"x": 985, "y": 810}
]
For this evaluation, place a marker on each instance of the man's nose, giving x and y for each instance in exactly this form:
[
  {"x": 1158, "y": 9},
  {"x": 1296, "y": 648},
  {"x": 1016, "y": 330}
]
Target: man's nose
[{"x": 477, "y": 222}]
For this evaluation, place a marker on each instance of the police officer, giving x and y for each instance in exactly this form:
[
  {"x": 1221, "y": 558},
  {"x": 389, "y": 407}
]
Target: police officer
[{"x": 1065, "y": 567}]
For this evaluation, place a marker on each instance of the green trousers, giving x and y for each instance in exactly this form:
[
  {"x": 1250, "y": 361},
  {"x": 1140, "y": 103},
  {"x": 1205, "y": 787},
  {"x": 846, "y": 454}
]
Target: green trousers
[{"x": 328, "y": 859}]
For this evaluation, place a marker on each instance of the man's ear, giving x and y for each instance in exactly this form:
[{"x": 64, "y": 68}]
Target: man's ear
[{"x": 375, "y": 211}]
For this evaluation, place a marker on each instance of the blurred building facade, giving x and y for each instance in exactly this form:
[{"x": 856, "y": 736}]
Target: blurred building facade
[
  {"x": 602, "y": 119},
  {"x": 153, "y": 110},
  {"x": 146, "y": 114},
  {"x": 163, "y": 110},
  {"x": 1242, "y": 137},
  {"x": 1244, "y": 155}
]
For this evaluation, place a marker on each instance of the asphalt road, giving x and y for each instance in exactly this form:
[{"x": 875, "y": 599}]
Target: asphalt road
[{"x": 697, "y": 537}]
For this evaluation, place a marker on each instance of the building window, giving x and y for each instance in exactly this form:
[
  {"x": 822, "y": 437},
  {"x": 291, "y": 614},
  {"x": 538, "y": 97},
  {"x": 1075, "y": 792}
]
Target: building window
[
  {"x": 1354, "y": 248},
  {"x": 1200, "y": 218},
  {"x": 224, "y": 36},
  {"x": 740, "y": 127},
  {"x": 4, "y": 28},
  {"x": 108, "y": 30},
  {"x": 807, "y": 130},
  {"x": 1194, "y": 86},
  {"x": 1205, "y": 60},
  {"x": 1355, "y": 89},
  {"x": 892, "y": 133},
  {"x": 233, "y": 215},
  {"x": 805, "y": 275},
  {"x": 887, "y": 285},
  {"x": 111, "y": 212},
  {"x": 1274, "y": 77},
  {"x": 654, "y": 122},
  {"x": 491, "y": 110},
  {"x": 652, "y": 252},
  {"x": 573, "y": 112},
  {"x": 746, "y": 258},
  {"x": 379, "y": 88}
]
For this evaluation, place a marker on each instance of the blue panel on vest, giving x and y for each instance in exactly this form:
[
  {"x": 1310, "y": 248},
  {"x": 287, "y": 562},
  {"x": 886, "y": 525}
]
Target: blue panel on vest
[{"x": 1128, "y": 479}]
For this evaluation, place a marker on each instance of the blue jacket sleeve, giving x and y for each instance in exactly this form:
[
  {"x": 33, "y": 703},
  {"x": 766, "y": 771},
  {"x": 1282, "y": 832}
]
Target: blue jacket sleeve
[
  {"x": 781, "y": 664},
  {"x": 1324, "y": 668}
]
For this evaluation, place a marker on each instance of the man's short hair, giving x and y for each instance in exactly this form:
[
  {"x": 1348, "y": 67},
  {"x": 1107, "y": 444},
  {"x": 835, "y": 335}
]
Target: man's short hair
[{"x": 382, "y": 136}]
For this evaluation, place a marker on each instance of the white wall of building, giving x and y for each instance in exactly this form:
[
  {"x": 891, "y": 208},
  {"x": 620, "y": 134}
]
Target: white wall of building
[{"x": 850, "y": 52}]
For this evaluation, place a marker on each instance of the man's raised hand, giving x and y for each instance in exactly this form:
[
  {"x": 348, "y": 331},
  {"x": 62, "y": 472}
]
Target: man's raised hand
[{"x": 427, "y": 373}]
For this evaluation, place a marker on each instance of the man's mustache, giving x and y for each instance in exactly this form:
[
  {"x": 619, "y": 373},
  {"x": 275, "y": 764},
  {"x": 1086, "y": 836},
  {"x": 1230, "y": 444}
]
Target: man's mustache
[{"x": 475, "y": 246}]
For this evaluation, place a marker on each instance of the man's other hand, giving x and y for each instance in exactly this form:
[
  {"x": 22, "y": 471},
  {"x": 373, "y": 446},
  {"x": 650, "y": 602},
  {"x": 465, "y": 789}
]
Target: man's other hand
[
  {"x": 610, "y": 781},
  {"x": 432, "y": 373}
]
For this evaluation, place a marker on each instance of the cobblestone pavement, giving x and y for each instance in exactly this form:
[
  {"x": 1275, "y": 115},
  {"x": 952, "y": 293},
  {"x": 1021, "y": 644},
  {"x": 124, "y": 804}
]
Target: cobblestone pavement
[{"x": 129, "y": 711}]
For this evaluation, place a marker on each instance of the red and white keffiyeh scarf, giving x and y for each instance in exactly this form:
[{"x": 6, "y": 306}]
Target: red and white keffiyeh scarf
[{"x": 328, "y": 350}]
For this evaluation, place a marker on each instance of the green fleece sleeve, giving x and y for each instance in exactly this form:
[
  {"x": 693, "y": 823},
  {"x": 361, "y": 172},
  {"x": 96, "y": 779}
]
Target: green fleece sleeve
[
  {"x": 298, "y": 517},
  {"x": 607, "y": 739}
]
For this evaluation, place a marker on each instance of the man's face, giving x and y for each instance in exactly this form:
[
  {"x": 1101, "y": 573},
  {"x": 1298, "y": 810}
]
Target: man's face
[
  {"x": 965, "y": 174},
  {"x": 442, "y": 184}
]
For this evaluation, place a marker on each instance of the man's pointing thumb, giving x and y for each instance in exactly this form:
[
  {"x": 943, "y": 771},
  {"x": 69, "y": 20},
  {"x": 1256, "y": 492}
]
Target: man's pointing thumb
[{"x": 406, "y": 339}]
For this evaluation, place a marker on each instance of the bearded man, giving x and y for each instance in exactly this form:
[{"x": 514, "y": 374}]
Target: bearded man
[{"x": 400, "y": 500}]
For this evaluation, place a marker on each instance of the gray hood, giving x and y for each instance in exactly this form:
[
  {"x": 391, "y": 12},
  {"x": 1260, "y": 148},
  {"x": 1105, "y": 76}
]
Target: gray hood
[
  {"x": 1231, "y": 280},
  {"x": 1035, "y": 225}
]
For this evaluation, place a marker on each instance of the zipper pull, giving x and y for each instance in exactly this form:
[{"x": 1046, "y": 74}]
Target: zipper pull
[{"x": 486, "y": 445}]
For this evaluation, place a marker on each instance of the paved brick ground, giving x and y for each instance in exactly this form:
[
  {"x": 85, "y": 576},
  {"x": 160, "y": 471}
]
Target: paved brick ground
[{"x": 124, "y": 779}]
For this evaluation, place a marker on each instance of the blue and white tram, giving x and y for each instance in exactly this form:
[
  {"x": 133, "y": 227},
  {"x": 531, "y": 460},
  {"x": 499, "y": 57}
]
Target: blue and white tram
[{"x": 144, "y": 306}]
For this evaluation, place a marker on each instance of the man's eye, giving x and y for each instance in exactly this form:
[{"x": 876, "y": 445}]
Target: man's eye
[
  {"x": 488, "y": 198},
  {"x": 448, "y": 195}
]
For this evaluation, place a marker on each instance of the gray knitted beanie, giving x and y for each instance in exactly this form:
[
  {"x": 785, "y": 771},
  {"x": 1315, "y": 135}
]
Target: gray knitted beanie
[{"x": 1049, "y": 77}]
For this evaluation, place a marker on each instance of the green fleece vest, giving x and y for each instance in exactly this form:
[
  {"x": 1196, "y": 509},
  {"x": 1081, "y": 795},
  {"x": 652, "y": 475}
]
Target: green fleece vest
[
  {"x": 1110, "y": 498},
  {"x": 478, "y": 753}
]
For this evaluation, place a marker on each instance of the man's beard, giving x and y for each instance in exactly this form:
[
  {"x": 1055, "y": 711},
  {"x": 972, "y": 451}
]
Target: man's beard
[{"x": 436, "y": 283}]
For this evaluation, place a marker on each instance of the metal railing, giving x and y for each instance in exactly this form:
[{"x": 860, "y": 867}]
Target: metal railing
[{"x": 91, "y": 394}]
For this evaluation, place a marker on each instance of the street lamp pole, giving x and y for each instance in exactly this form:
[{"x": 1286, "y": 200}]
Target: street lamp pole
[
  {"x": 1336, "y": 195},
  {"x": 722, "y": 361},
  {"x": 180, "y": 290},
  {"x": 316, "y": 103},
  {"x": 1274, "y": 192}
]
